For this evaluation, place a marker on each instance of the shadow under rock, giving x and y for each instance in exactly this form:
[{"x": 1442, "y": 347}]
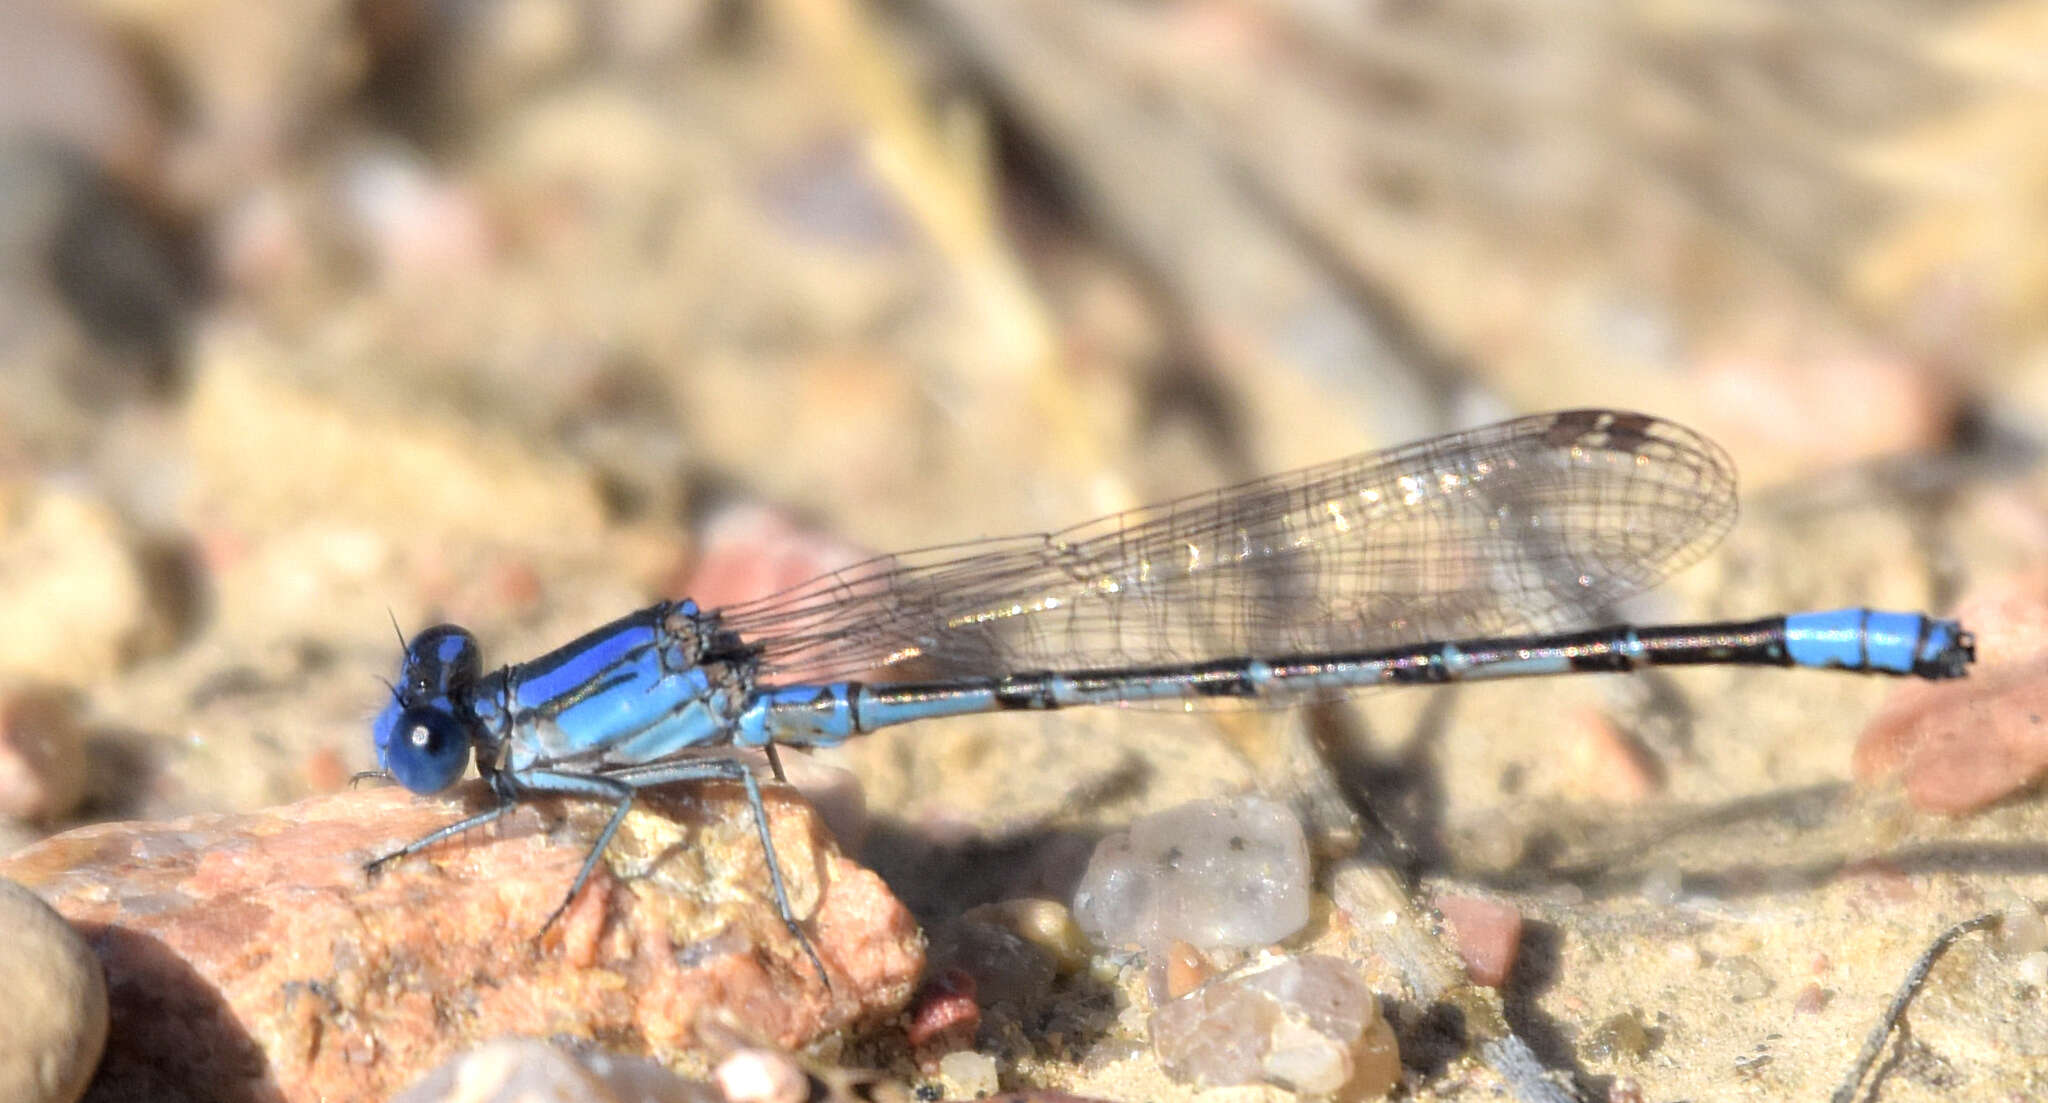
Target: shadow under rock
[{"x": 172, "y": 1037}]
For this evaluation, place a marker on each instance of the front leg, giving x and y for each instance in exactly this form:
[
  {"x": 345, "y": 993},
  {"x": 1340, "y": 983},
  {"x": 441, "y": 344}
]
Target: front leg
[{"x": 505, "y": 804}]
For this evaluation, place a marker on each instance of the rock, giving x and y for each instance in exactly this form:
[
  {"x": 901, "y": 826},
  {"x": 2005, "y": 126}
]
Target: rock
[
  {"x": 42, "y": 753},
  {"x": 75, "y": 597},
  {"x": 523, "y": 1070},
  {"x": 1046, "y": 924},
  {"x": 1002, "y": 965},
  {"x": 761, "y": 1076},
  {"x": 255, "y": 946},
  {"x": 1308, "y": 1024},
  {"x": 970, "y": 1075},
  {"x": 1607, "y": 764},
  {"x": 946, "y": 1013},
  {"x": 1486, "y": 933},
  {"x": 1216, "y": 874},
  {"x": 53, "y": 1023},
  {"x": 1961, "y": 745}
]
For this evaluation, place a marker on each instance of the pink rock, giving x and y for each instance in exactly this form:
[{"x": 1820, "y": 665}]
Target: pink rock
[
  {"x": 1962, "y": 745},
  {"x": 1487, "y": 934},
  {"x": 248, "y": 957},
  {"x": 754, "y": 551},
  {"x": 1800, "y": 400}
]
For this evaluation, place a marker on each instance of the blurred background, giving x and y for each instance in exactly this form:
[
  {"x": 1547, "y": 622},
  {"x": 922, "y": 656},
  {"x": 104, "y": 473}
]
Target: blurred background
[{"x": 320, "y": 314}]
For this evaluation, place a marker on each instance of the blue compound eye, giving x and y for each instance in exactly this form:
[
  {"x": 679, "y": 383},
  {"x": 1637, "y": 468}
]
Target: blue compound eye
[{"x": 426, "y": 749}]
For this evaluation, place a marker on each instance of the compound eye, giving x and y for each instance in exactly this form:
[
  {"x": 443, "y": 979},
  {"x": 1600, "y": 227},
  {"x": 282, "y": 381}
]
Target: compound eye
[{"x": 427, "y": 751}]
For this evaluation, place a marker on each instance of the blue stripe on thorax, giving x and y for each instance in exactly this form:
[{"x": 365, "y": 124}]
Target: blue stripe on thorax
[{"x": 624, "y": 694}]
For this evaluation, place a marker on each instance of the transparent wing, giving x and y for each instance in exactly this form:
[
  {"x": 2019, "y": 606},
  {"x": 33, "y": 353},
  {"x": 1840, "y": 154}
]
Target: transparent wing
[{"x": 1535, "y": 524}]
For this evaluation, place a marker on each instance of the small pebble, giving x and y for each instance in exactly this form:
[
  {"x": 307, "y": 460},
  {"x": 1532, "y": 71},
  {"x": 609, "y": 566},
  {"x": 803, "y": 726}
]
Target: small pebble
[
  {"x": 993, "y": 960},
  {"x": 1375, "y": 1063},
  {"x": 42, "y": 753},
  {"x": 53, "y": 1023},
  {"x": 1811, "y": 1000},
  {"x": 1306, "y": 1024},
  {"x": 1046, "y": 924},
  {"x": 1746, "y": 979},
  {"x": 2021, "y": 930},
  {"x": 1663, "y": 884},
  {"x": 972, "y": 1075},
  {"x": 1217, "y": 874},
  {"x": 1623, "y": 1035},
  {"x": 2032, "y": 969},
  {"x": 945, "y": 1012},
  {"x": 1609, "y": 765},
  {"x": 75, "y": 596},
  {"x": 761, "y": 1076},
  {"x": 1487, "y": 934},
  {"x": 1186, "y": 969},
  {"x": 525, "y": 1070}
]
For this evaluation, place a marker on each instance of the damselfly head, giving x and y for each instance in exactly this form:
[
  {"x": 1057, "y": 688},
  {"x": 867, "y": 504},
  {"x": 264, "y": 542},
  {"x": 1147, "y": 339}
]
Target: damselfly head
[
  {"x": 442, "y": 661},
  {"x": 422, "y": 739},
  {"x": 425, "y": 747}
]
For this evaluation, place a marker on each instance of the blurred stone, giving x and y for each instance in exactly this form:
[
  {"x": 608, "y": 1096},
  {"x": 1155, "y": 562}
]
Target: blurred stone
[
  {"x": 42, "y": 753},
  {"x": 255, "y": 942},
  {"x": 750, "y": 551},
  {"x": 1622, "y": 1035},
  {"x": 1004, "y": 966},
  {"x": 252, "y": 80},
  {"x": 972, "y": 1075},
  {"x": 1787, "y": 408},
  {"x": 1301, "y": 1023},
  {"x": 2021, "y": 929},
  {"x": 761, "y": 1076},
  {"x": 1963, "y": 744},
  {"x": 1046, "y": 924},
  {"x": 1811, "y": 999},
  {"x": 1486, "y": 933},
  {"x": 53, "y": 1024},
  {"x": 259, "y": 438},
  {"x": 420, "y": 230},
  {"x": 76, "y": 599},
  {"x": 524, "y": 1070},
  {"x": 1746, "y": 979},
  {"x": 652, "y": 31},
  {"x": 1230, "y": 873},
  {"x": 66, "y": 80},
  {"x": 1606, "y": 764}
]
